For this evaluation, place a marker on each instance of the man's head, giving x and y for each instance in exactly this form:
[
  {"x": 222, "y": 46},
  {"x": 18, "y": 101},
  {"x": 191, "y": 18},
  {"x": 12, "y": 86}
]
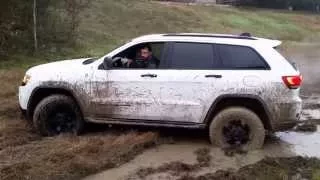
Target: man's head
[{"x": 145, "y": 51}]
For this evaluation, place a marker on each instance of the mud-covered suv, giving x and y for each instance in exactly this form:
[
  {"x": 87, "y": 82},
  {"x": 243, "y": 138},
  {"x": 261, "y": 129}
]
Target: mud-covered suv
[{"x": 237, "y": 87}]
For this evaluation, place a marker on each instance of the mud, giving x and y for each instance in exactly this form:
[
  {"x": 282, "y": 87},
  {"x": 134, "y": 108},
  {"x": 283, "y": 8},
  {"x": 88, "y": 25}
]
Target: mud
[
  {"x": 312, "y": 106},
  {"x": 25, "y": 155},
  {"x": 189, "y": 156},
  {"x": 276, "y": 161},
  {"x": 269, "y": 168},
  {"x": 306, "y": 127},
  {"x": 177, "y": 168},
  {"x": 203, "y": 156}
]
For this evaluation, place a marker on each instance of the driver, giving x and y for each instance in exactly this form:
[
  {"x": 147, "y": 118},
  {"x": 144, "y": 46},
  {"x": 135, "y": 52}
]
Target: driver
[{"x": 144, "y": 59}]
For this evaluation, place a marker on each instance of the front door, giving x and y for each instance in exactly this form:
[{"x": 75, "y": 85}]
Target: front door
[{"x": 129, "y": 93}]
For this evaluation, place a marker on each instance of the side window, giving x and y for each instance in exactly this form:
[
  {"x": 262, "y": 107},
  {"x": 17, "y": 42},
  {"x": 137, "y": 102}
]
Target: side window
[
  {"x": 157, "y": 50},
  {"x": 240, "y": 57},
  {"x": 140, "y": 56},
  {"x": 192, "y": 56}
]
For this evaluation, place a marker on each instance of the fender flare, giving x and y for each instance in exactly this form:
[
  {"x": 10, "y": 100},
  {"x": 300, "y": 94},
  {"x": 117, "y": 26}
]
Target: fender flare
[{"x": 213, "y": 107}]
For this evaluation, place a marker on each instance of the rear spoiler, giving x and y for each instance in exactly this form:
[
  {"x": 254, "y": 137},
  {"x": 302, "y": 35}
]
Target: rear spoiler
[{"x": 272, "y": 43}]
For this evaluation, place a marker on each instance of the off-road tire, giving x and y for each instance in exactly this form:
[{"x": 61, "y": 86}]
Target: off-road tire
[
  {"x": 48, "y": 105},
  {"x": 257, "y": 131}
]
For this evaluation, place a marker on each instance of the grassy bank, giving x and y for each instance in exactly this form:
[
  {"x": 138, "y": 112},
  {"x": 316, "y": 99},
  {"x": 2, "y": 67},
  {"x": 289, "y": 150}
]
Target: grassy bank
[{"x": 106, "y": 24}]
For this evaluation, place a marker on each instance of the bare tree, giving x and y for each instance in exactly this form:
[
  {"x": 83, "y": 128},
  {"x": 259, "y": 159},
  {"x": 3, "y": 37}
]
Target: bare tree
[
  {"x": 74, "y": 7},
  {"x": 35, "y": 25}
]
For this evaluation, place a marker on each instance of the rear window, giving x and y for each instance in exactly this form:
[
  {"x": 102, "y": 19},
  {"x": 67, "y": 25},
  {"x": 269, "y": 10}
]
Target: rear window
[{"x": 240, "y": 57}]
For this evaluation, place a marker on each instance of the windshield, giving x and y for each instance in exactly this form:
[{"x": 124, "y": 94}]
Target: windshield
[{"x": 117, "y": 46}]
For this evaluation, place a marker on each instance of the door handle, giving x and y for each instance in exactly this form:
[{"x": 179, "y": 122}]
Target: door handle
[
  {"x": 213, "y": 76},
  {"x": 149, "y": 75}
]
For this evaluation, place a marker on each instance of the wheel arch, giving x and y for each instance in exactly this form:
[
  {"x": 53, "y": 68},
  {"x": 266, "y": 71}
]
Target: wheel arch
[
  {"x": 252, "y": 102},
  {"x": 39, "y": 93}
]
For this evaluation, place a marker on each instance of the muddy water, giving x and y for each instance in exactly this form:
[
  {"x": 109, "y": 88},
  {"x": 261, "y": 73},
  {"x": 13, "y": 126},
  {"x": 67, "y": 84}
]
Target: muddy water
[
  {"x": 184, "y": 152},
  {"x": 303, "y": 144},
  {"x": 281, "y": 145},
  {"x": 285, "y": 144}
]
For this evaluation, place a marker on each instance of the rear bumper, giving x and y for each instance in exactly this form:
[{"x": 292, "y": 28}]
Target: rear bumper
[
  {"x": 289, "y": 114},
  {"x": 285, "y": 126}
]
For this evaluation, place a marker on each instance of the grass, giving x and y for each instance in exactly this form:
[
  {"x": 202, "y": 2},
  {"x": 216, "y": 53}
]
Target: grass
[
  {"x": 105, "y": 24},
  {"x": 316, "y": 174},
  {"x": 126, "y": 19}
]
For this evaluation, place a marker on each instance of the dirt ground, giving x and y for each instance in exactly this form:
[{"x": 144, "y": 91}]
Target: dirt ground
[
  {"x": 26, "y": 155},
  {"x": 147, "y": 153},
  {"x": 190, "y": 156},
  {"x": 268, "y": 168}
]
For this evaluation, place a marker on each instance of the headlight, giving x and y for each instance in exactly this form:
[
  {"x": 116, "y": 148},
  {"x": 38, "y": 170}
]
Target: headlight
[{"x": 25, "y": 80}]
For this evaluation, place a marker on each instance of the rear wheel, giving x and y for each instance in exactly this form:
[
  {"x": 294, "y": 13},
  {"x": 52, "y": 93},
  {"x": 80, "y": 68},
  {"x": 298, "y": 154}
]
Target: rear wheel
[
  {"x": 57, "y": 114},
  {"x": 237, "y": 127}
]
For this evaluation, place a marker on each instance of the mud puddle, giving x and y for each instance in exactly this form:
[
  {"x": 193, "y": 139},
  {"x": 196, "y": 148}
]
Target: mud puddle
[
  {"x": 157, "y": 162},
  {"x": 173, "y": 161},
  {"x": 303, "y": 144},
  {"x": 306, "y": 143},
  {"x": 184, "y": 152}
]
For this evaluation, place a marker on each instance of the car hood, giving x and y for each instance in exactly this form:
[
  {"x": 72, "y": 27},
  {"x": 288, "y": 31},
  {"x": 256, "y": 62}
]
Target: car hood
[{"x": 57, "y": 66}]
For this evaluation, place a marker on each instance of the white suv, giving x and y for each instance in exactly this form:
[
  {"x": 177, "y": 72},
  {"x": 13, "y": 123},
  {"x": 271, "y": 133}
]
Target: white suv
[{"x": 237, "y": 87}]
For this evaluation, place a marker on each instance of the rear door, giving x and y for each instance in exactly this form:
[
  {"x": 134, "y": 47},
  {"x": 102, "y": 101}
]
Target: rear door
[
  {"x": 188, "y": 83},
  {"x": 243, "y": 69}
]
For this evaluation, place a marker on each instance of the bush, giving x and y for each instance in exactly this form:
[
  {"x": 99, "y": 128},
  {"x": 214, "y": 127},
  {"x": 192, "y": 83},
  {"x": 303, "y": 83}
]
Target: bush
[
  {"x": 57, "y": 22},
  {"x": 15, "y": 26}
]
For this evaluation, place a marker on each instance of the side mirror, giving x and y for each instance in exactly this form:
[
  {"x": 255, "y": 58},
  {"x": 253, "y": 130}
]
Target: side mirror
[{"x": 107, "y": 63}]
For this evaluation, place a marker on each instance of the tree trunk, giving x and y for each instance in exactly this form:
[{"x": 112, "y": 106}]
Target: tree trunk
[{"x": 35, "y": 25}]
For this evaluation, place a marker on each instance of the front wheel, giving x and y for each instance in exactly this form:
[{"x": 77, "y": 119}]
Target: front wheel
[
  {"x": 57, "y": 114},
  {"x": 237, "y": 127}
]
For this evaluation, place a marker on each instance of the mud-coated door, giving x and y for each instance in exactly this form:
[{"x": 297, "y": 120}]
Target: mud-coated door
[
  {"x": 129, "y": 94},
  {"x": 189, "y": 82}
]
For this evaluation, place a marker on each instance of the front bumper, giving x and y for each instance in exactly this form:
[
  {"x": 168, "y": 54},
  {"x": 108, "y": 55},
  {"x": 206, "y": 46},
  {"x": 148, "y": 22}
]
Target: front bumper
[
  {"x": 24, "y": 96},
  {"x": 23, "y": 113}
]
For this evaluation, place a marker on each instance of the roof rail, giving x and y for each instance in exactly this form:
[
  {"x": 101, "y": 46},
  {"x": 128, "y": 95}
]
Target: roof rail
[{"x": 246, "y": 36}]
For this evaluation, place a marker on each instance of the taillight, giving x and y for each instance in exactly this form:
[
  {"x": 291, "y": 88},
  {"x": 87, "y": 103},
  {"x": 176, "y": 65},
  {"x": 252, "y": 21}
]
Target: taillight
[{"x": 292, "y": 82}]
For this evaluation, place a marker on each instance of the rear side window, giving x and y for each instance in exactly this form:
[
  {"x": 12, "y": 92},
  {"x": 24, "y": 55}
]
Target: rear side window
[
  {"x": 240, "y": 57},
  {"x": 192, "y": 56}
]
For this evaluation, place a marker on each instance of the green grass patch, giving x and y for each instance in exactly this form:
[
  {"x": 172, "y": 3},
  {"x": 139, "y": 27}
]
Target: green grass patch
[{"x": 106, "y": 24}]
